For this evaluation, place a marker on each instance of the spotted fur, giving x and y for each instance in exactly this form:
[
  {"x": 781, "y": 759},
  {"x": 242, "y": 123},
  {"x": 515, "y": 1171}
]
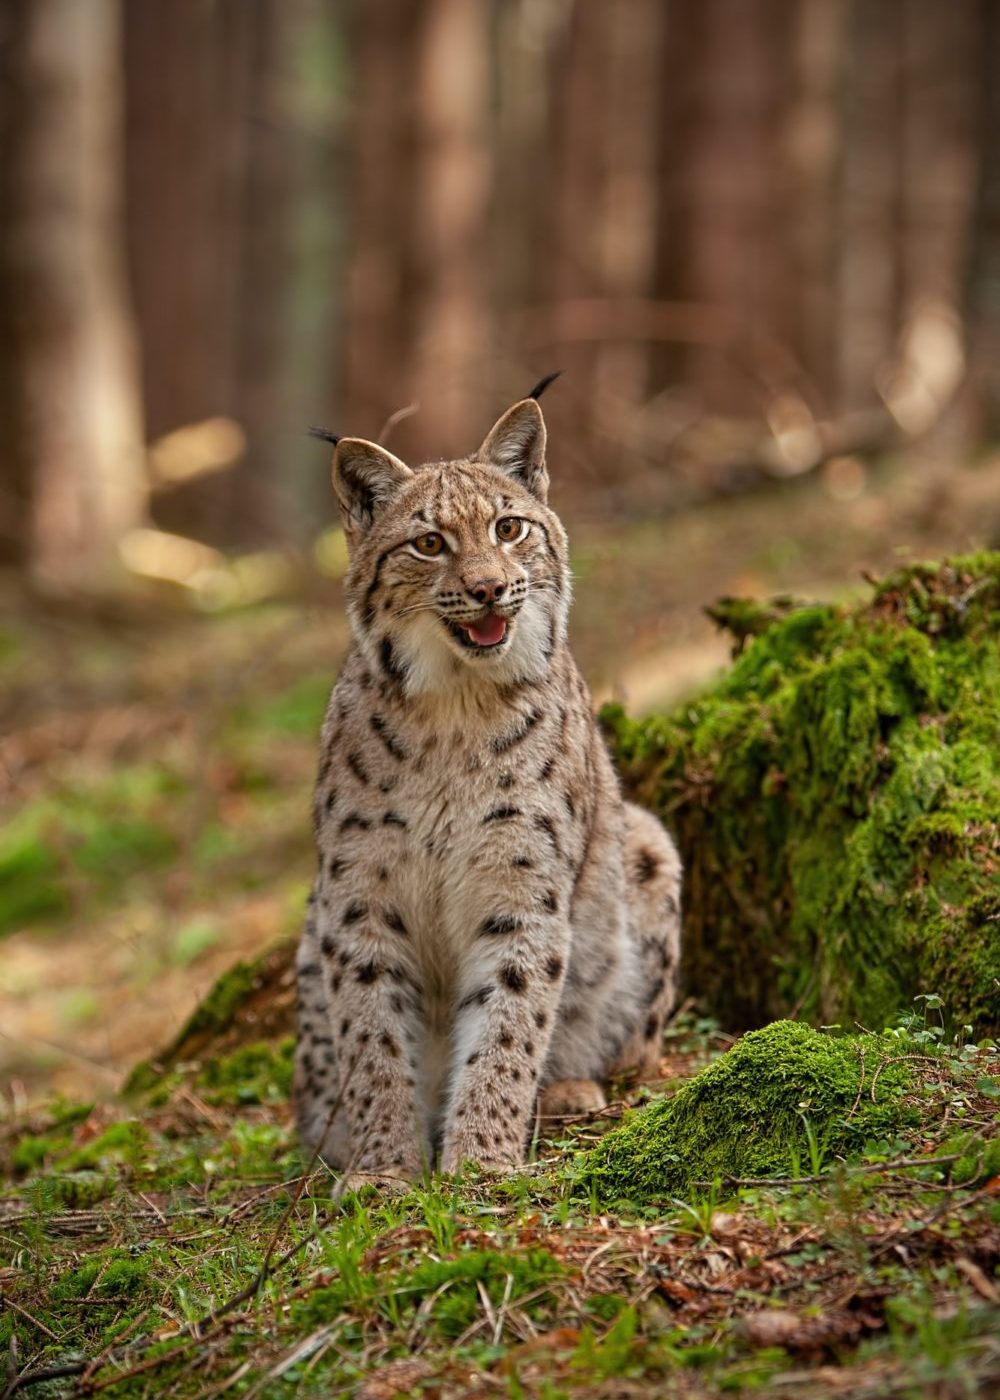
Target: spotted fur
[{"x": 489, "y": 918}]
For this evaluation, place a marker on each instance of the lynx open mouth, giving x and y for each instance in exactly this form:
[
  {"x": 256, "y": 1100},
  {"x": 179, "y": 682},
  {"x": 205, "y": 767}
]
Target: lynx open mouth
[{"x": 487, "y": 633}]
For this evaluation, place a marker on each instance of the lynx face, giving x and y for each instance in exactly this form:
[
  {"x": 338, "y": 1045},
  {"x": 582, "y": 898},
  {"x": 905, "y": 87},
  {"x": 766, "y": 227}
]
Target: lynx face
[{"x": 458, "y": 569}]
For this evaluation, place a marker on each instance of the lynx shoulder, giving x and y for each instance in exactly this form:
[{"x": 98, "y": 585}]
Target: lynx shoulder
[{"x": 490, "y": 925}]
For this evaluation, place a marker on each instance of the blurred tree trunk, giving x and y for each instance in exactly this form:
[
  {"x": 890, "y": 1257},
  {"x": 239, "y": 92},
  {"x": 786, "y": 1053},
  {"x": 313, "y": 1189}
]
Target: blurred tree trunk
[
  {"x": 380, "y": 179},
  {"x": 452, "y": 352},
  {"x": 867, "y": 280},
  {"x": 814, "y": 138},
  {"x": 939, "y": 120},
  {"x": 519, "y": 218},
  {"x": 172, "y": 184},
  {"x": 981, "y": 302},
  {"x": 417, "y": 325},
  {"x": 70, "y": 396},
  {"x": 572, "y": 194},
  {"x": 626, "y": 211},
  {"x": 732, "y": 188},
  {"x": 210, "y": 166}
]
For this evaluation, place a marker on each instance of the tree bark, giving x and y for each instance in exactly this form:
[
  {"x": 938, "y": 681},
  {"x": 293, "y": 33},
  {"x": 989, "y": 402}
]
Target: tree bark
[
  {"x": 380, "y": 179},
  {"x": 732, "y": 186},
  {"x": 452, "y": 350},
  {"x": 981, "y": 300},
  {"x": 73, "y": 436}
]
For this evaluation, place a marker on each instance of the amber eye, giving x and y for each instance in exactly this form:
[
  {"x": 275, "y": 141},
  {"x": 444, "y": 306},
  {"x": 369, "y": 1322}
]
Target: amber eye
[
  {"x": 429, "y": 545},
  {"x": 509, "y": 528}
]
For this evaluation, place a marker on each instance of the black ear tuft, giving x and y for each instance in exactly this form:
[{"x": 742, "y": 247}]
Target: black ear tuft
[
  {"x": 324, "y": 435},
  {"x": 542, "y": 385}
]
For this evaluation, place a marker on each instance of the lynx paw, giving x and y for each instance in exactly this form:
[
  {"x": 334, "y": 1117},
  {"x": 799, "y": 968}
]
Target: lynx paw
[
  {"x": 570, "y": 1098},
  {"x": 381, "y": 1182}
]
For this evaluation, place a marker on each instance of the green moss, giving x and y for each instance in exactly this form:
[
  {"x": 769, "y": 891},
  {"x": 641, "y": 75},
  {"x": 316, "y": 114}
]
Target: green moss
[
  {"x": 785, "y": 1099},
  {"x": 110, "y": 1274},
  {"x": 125, "y": 1142},
  {"x": 34, "y": 1149},
  {"x": 299, "y": 711},
  {"x": 30, "y": 889},
  {"x": 836, "y": 800},
  {"x": 71, "y": 1190},
  {"x": 256, "y": 1073},
  {"x": 222, "y": 1002},
  {"x": 979, "y": 1159},
  {"x": 744, "y": 618}
]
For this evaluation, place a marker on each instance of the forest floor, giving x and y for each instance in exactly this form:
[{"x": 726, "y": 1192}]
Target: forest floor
[
  {"x": 186, "y": 1248},
  {"x": 155, "y": 772}
]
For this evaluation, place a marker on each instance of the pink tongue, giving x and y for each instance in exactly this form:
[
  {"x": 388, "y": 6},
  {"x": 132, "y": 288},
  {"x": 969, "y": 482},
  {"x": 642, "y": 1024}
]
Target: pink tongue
[{"x": 487, "y": 631}]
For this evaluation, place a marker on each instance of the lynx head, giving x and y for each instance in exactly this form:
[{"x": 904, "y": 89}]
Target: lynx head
[{"x": 458, "y": 570}]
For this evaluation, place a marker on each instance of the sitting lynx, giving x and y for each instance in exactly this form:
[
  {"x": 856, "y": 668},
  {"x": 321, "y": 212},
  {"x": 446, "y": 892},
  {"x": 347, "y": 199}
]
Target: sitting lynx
[{"x": 489, "y": 919}]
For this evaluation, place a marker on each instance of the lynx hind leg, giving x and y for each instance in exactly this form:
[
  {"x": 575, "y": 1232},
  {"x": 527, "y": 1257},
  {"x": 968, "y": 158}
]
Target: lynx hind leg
[
  {"x": 316, "y": 1088},
  {"x": 653, "y": 891},
  {"x": 569, "y": 1098}
]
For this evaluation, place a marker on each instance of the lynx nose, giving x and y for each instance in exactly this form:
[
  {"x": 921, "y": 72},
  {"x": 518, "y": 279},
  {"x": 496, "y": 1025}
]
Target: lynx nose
[{"x": 487, "y": 590}]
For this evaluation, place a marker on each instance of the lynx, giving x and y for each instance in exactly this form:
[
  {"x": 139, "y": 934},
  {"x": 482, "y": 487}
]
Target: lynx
[{"x": 490, "y": 925}]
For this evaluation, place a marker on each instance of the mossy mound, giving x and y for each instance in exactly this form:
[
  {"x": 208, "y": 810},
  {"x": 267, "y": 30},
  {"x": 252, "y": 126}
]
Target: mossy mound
[
  {"x": 836, "y": 798},
  {"x": 785, "y": 1099},
  {"x": 252, "y": 1003}
]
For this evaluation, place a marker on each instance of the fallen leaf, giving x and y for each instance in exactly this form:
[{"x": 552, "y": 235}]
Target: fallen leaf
[
  {"x": 978, "y": 1279},
  {"x": 772, "y": 1327},
  {"x": 724, "y": 1223},
  {"x": 559, "y": 1339},
  {"x": 679, "y": 1292},
  {"x": 778, "y": 1327},
  {"x": 395, "y": 1379}
]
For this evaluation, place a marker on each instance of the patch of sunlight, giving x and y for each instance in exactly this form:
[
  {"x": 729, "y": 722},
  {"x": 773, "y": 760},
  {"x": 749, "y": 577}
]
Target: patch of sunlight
[
  {"x": 330, "y": 552},
  {"x": 197, "y": 449}
]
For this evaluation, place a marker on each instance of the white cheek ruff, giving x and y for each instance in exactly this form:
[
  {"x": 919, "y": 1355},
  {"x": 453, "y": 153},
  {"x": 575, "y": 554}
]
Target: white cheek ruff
[
  {"x": 431, "y": 664},
  {"x": 529, "y": 657}
]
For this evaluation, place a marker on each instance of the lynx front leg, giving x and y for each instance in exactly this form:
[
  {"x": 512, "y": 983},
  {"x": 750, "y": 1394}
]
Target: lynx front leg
[
  {"x": 317, "y": 1085},
  {"x": 502, "y": 1035},
  {"x": 375, "y": 1015}
]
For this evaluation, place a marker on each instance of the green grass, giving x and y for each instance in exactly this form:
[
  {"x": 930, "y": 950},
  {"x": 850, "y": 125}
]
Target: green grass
[{"x": 195, "y": 1231}]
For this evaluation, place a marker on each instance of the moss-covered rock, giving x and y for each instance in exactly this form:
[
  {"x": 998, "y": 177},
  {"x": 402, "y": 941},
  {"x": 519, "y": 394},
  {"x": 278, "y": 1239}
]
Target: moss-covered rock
[
  {"x": 785, "y": 1099},
  {"x": 837, "y": 798}
]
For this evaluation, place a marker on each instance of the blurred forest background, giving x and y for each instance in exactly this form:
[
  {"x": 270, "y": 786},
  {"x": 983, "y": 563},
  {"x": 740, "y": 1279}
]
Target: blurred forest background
[{"x": 760, "y": 237}]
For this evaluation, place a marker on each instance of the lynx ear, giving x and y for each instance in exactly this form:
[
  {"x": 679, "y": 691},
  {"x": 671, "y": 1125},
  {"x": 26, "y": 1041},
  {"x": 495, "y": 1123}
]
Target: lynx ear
[
  {"x": 516, "y": 444},
  {"x": 365, "y": 478}
]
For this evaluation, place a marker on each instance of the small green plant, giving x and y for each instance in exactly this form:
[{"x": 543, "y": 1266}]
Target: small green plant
[{"x": 611, "y": 1354}]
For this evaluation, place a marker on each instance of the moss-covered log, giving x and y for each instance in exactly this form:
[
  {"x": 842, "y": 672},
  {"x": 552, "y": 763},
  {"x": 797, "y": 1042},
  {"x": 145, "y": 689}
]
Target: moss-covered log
[{"x": 836, "y": 798}]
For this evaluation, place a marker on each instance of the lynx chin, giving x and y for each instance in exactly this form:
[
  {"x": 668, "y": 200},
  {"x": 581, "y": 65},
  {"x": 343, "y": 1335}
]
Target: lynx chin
[{"x": 492, "y": 930}]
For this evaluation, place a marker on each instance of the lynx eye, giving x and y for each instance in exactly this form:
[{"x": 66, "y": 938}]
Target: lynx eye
[
  {"x": 510, "y": 528},
  {"x": 429, "y": 545}
]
